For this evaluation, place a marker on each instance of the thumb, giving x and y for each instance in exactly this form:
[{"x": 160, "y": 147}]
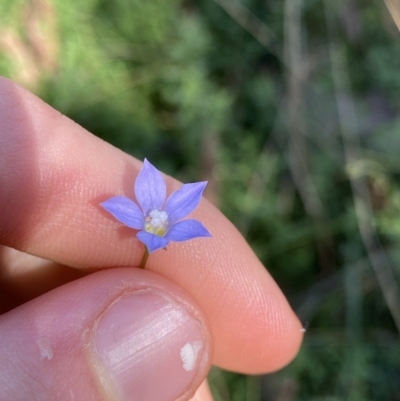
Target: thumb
[{"x": 115, "y": 335}]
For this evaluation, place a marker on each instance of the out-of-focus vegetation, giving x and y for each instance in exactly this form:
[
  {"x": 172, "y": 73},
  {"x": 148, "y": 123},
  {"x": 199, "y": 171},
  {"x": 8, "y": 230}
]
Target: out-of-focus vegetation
[{"x": 290, "y": 108}]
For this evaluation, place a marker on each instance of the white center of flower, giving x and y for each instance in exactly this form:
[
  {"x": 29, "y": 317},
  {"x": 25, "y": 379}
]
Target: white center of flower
[{"x": 157, "y": 222}]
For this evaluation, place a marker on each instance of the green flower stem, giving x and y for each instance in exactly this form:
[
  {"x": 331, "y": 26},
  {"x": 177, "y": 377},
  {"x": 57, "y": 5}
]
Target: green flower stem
[{"x": 144, "y": 259}]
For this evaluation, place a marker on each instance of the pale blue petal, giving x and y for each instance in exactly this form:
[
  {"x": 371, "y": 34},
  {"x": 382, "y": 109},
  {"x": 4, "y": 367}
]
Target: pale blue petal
[
  {"x": 183, "y": 201},
  {"x": 187, "y": 229},
  {"x": 150, "y": 189},
  {"x": 152, "y": 241},
  {"x": 126, "y": 211}
]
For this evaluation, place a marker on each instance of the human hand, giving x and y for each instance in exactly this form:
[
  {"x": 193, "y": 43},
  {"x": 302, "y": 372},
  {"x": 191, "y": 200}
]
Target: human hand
[{"x": 115, "y": 332}]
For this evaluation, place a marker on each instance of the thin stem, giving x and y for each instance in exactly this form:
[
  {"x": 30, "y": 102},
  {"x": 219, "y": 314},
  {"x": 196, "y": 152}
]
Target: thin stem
[{"x": 144, "y": 259}]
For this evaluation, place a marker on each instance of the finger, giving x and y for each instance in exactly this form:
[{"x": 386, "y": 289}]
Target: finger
[
  {"x": 203, "y": 393},
  {"x": 115, "y": 335},
  {"x": 54, "y": 176},
  {"x": 24, "y": 277}
]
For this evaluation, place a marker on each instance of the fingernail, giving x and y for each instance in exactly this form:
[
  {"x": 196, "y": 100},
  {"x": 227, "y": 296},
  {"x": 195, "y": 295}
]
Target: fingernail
[{"x": 150, "y": 346}]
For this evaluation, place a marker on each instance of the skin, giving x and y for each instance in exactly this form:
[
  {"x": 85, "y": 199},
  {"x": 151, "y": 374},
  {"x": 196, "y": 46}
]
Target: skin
[{"x": 53, "y": 176}]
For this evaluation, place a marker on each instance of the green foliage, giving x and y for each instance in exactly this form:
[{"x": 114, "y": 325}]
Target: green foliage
[{"x": 206, "y": 93}]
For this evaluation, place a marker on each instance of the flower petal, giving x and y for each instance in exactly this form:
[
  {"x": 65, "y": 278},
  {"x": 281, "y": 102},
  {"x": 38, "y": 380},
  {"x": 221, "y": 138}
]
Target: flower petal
[
  {"x": 152, "y": 241},
  {"x": 150, "y": 189},
  {"x": 125, "y": 210},
  {"x": 187, "y": 229},
  {"x": 184, "y": 201}
]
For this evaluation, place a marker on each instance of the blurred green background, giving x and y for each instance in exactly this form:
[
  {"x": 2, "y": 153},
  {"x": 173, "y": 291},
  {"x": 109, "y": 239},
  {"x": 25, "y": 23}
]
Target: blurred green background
[{"x": 290, "y": 109}]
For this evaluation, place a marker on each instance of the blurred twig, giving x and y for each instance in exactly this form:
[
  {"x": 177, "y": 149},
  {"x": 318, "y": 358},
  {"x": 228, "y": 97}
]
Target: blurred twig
[
  {"x": 362, "y": 202},
  {"x": 298, "y": 153},
  {"x": 394, "y": 9},
  {"x": 297, "y": 69},
  {"x": 209, "y": 158},
  {"x": 296, "y": 79},
  {"x": 250, "y": 22},
  {"x": 256, "y": 190}
]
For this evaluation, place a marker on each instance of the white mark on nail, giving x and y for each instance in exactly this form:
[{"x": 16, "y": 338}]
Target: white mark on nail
[
  {"x": 303, "y": 330},
  {"x": 189, "y": 353},
  {"x": 45, "y": 348}
]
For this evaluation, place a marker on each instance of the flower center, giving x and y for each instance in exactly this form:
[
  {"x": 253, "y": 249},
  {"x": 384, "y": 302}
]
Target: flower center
[{"x": 157, "y": 222}]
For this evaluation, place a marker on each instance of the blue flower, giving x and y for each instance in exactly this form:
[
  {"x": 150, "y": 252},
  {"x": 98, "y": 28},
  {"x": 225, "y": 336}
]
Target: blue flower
[{"x": 159, "y": 220}]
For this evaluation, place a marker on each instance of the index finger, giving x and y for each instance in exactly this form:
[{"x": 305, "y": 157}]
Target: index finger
[{"x": 54, "y": 174}]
